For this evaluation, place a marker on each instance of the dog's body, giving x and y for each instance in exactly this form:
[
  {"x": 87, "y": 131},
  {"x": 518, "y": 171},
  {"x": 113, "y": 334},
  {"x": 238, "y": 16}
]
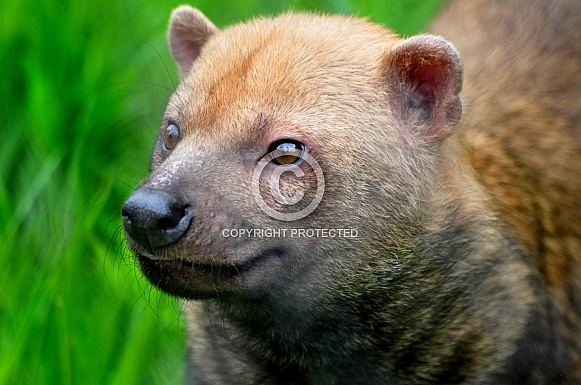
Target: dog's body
[
  {"x": 523, "y": 126},
  {"x": 466, "y": 264}
]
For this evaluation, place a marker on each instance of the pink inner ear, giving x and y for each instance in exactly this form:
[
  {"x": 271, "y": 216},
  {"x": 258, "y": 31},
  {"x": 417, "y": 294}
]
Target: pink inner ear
[
  {"x": 185, "y": 51},
  {"x": 432, "y": 82},
  {"x": 427, "y": 79},
  {"x": 428, "y": 74}
]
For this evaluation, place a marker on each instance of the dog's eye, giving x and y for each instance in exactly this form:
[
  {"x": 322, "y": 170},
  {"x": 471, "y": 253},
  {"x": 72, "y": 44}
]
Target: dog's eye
[
  {"x": 286, "y": 152},
  {"x": 171, "y": 136}
]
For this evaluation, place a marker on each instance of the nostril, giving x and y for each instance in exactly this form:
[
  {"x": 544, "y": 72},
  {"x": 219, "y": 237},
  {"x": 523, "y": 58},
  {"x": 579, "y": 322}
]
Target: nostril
[
  {"x": 165, "y": 223},
  {"x": 172, "y": 219},
  {"x": 126, "y": 218}
]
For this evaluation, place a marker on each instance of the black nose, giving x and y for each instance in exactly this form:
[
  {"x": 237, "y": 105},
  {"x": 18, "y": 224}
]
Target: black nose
[{"x": 155, "y": 218}]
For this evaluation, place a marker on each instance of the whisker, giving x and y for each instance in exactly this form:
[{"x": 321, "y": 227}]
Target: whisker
[{"x": 163, "y": 62}]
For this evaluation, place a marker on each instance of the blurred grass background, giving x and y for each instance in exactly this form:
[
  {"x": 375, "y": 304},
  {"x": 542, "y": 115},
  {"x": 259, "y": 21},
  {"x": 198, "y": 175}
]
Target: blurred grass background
[{"x": 83, "y": 87}]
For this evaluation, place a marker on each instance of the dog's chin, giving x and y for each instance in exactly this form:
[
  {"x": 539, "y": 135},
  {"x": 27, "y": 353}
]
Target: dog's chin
[{"x": 196, "y": 281}]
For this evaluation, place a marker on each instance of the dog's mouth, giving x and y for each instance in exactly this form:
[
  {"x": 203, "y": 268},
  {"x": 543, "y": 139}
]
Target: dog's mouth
[{"x": 192, "y": 280}]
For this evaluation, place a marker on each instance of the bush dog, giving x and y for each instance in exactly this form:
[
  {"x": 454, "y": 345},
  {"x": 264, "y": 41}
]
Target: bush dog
[{"x": 444, "y": 244}]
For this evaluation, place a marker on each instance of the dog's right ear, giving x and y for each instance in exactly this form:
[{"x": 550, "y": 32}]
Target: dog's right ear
[
  {"x": 188, "y": 31},
  {"x": 425, "y": 77}
]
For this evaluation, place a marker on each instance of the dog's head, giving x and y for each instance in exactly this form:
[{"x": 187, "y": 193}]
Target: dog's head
[{"x": 295, "y": 151}]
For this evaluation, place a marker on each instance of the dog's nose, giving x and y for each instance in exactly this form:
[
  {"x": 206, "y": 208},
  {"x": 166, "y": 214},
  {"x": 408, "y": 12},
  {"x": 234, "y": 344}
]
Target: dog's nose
[{"x": 155, "y": 218}]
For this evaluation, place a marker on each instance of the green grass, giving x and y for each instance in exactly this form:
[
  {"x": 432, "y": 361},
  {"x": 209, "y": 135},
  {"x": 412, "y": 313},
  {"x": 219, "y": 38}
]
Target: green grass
[{"x": 83, "y": 86}]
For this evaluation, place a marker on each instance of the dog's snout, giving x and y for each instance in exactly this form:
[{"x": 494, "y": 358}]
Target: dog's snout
[{"x": 155, "y": 218}]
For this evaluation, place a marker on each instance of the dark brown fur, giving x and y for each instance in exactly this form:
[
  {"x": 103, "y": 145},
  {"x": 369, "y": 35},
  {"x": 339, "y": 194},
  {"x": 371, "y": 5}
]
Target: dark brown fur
[
  {"x": 525, "y": 144},
  {"x": 466, "y": 267}
]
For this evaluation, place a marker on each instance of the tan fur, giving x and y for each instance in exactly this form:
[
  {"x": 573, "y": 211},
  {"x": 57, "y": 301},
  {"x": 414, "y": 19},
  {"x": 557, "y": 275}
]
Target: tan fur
[{"x": 466, "y": 264}]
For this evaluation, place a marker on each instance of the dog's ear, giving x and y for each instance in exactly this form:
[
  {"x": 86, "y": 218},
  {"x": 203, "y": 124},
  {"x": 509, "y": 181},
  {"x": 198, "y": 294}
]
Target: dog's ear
[
  {"x": 424, "y": 76},
  {"x": 188, "y": 31}
]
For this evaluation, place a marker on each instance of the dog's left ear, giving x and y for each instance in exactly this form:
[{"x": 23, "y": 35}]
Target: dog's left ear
[
  {"x": 424, "y": 76},
  {"x": 189, "y": 30}
]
